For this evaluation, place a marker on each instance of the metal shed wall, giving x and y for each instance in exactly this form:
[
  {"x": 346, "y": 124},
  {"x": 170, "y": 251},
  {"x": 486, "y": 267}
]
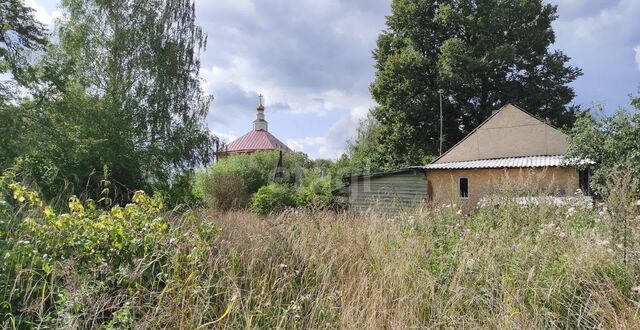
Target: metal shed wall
[{"x": 390, "y": 192}]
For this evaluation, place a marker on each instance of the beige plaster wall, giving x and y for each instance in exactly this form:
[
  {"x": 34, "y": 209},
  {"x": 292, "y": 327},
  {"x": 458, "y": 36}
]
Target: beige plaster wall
[
  {"x": 509, "y": 133},
  {"x": 444, "y": 184}
]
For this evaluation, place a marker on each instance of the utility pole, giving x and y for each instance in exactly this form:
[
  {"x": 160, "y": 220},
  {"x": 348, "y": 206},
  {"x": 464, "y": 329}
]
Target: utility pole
[{"x": 440, "y": 91}]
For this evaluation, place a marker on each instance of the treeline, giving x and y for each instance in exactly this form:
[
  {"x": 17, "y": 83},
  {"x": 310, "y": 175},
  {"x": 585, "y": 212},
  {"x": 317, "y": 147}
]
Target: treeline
[{"x": 108, "y": 103}]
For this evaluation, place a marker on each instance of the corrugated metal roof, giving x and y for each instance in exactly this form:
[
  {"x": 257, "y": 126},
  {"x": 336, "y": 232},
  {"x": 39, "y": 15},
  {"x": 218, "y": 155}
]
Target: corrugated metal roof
[
  {"x": 510, "y": 162},
  {"x": 257, "y": 140}
]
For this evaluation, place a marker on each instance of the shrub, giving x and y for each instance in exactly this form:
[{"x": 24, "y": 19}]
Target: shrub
[
  {"x": 92, "y": 267},
  {"x": 257, "y": 169},
  {"x": 274, "y": 197},
  {"x": 226, "y": 191},
  {"x": 315, "y": 194}
]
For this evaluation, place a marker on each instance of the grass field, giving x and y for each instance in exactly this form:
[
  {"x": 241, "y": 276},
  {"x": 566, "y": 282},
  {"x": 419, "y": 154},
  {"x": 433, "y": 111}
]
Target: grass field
[{"x": 508, "y": 267}]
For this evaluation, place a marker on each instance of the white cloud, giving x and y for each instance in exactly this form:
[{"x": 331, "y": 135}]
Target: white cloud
[
  {"x": 41, "y": 13},
  {"x": 637, "y": 57}
]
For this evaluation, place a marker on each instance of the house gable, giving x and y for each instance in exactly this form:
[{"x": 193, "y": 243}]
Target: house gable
[{"x": 510, "y": 132}]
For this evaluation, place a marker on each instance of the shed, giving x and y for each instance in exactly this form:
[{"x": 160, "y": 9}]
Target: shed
[{"x": 393, "y": 191}]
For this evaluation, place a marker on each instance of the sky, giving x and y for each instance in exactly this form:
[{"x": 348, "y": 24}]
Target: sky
[{"x": 312, "y": 61}]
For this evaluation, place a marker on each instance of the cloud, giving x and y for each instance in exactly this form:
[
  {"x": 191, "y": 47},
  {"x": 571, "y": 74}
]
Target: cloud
[
  {"x": 312, "y": 60},
  {"x": 599, "y": 40},
  {"x": 42, "y": 14}
]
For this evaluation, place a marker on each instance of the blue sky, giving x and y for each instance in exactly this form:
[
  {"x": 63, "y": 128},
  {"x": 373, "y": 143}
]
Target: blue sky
[{"x": 312, "y": 61}]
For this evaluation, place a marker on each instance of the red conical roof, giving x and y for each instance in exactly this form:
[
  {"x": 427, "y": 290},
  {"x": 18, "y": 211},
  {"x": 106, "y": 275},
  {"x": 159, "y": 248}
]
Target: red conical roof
[{"x": 257, "y": 140}]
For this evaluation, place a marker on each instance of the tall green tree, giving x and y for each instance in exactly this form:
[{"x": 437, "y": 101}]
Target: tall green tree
[
  {"x": 20, "y": 35},
  {"x": 611, "y": 142},
  {"x": 121, "y": 90},
  {"x": 482, "y": 54}
]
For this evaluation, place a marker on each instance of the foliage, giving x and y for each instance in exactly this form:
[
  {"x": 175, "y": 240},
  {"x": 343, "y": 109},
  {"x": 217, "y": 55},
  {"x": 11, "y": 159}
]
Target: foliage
[
  {"x": 274, "y": 197},
  {"x": 120, "y": 88},
  {"x": 231, "y": 181},
  {"x": 613, "y": 143},
  {"x": 226, "y": 191},
  {"x": 20, "y": 32},
  {"x": 56, "y": 268},
  {"x": 315, "y": 194},
  {"x": 540, "y": 266},
  {"x": 482, "y": 54}
]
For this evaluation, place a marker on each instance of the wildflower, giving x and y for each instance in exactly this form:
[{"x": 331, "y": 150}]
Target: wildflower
[
  {"x": 571, "y": 211},
  {"x": 562, "y": 234},
  {"x": 283, "y": 266},
  {"x": 636, "y": 289},
  {"x": 459, "y": 212}
]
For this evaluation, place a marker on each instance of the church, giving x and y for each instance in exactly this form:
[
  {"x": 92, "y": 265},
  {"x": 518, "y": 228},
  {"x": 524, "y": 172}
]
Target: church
[{"x": 258, "y": 139}]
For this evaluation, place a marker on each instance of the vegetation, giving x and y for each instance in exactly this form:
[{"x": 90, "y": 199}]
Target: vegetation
[
  {"x": 481, "y": 54},
  {"x": 120, "y": 89},
  {"x": 540, "y": 266},
  {"x": 611, "y": 142},
  {"x": 115, "y": 108},
  {"x": 275, "y": 197},
  {"x": 243, "y": 181}
]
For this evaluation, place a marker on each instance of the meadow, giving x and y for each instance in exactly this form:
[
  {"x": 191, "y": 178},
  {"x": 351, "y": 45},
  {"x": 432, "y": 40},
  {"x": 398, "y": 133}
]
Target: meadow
[{"x": 141, "y": 266}]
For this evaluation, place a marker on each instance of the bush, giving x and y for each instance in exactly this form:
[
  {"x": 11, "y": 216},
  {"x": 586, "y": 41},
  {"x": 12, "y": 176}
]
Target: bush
[
  {"x": 316, "y": 194},
  {"x": 274, "y": 197},
  {"x": 94, "y": 268},
  {"x": 226, "y": 191},
  {"x": 220, "y": 186}
]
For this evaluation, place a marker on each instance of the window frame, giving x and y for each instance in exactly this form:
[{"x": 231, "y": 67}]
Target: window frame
[{"x": 460, "y": 195}]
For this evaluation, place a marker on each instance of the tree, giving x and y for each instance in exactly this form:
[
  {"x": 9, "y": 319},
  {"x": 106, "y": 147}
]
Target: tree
[
  {"x": 19, "y": 32},
  {"x": 482, "y": 54},
  {"x": 612, "y": 143},
  {"x": 121, "y": 90}
]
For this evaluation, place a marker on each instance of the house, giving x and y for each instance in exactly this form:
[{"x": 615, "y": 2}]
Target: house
[
  {"x": 510, "y": 149},
  {"x": 258, "y": 139}
]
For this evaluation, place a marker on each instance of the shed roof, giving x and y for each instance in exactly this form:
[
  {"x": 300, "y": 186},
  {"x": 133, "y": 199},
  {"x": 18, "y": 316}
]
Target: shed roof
[
  {"x": 257, "y": 140},
  {"x": 361, "y": 177}
]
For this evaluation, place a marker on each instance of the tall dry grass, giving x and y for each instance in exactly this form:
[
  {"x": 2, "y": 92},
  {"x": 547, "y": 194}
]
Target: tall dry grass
[
  {"x": 542, "y": 266},
  {"x": 508, "y": 267}
]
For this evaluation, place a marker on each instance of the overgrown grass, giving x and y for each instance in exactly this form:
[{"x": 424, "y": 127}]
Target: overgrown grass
[{"x": 541, "y": 266}]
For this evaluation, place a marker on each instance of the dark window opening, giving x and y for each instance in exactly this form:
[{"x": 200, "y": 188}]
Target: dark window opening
[
  {"x": 584, "y": 182},
  {"x": 464, "y": 188}
]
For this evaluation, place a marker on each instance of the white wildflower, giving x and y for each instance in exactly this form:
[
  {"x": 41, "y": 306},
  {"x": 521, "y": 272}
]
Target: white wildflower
[{"x": 459, "y": 212}]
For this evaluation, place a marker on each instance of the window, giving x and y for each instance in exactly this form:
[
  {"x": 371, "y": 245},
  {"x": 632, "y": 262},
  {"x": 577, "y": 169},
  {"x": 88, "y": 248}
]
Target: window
[{"x": 464, "y": 188}]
